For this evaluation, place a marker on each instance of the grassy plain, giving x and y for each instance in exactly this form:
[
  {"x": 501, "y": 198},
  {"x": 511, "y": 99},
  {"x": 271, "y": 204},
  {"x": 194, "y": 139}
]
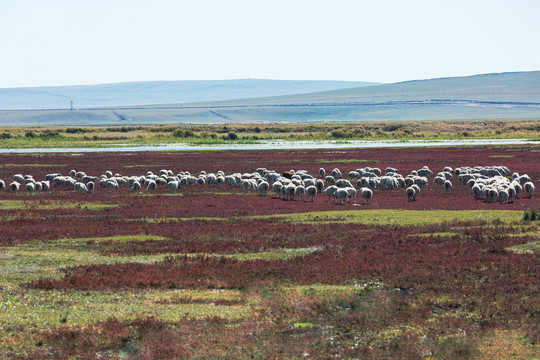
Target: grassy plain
[
  {"x": 101, "y": 136},
  {"x": 216, "y": 273}
]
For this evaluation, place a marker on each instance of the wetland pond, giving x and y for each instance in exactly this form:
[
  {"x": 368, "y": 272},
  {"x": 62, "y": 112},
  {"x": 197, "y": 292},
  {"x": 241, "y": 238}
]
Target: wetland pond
[{"x": 277, "y": 144}]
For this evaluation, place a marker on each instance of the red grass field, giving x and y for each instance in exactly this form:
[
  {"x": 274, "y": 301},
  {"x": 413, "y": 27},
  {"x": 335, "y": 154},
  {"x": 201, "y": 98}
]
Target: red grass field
[{"x": 445, "y": 290}]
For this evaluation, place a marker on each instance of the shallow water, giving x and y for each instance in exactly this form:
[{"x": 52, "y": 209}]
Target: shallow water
[{"x": 276, "y": 145}]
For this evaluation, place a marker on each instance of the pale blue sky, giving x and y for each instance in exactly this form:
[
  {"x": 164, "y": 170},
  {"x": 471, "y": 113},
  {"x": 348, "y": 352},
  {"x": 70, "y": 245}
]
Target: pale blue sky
[{"x": 64, "y": 42}]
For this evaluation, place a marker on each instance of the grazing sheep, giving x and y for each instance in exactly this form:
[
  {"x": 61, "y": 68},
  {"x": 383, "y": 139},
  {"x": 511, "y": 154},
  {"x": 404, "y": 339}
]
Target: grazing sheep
[
  {"x": 476, "y": 190},
  {"x": 38, "y": 186},
  {"x": 524, "y": 179},
  {"x": 289, "y": 192},
  {"x": 447, "y": 185},
  {"x": 81, "y": 188},
  {"x": 511, "y": 194},
  {"x": 342, "y": 183},
  {"x": 111, "y": 185},
  {"x": 311, "y": 192},
  {"x": 424, "y": 172},
  {"x": 440, "y": 180},
  {"x": 354, "y": 175},
  {"x": 351, "y": 193},
  {"x": 518, "y": 188},
  {"x": 90, "y": 186},
  {"x": 330, "y": 179},
  {"x": 299, "y": 191},
  {"x": 322, "y": 173},
  {"x": 367, "y": 194},
  {"x": 263, "y": 188},
  {"x": 277, "y": 188},
  {"x": 529, "y": 188},
  {"x": 201, "y": 181},
  {"x": 336, "y": 173},
  {"x": 19, "y": 178},
  {"x": 329, "y": 191},
  {"x": 319, "y": 184},
  {"x": 30, "y": 187},
  {"x": 151, "y": 186},
  {"x": 136, "y": 186},
  {"x": 411, "y": 194},
  {"x": 503, "y": 196},
  {"x": 389, "y": 183},
  {"x": 341, "y": 196},
  {"x": 490, "y": 194},
  {"x": 220, "y": 180},
  {"x": 374, "y": 183},
  {"x": 246, "y": 185},
  {"x": 172, "y": 186},
  {"x": 45, "y": 185},
  {"x": 14, "y": 187},
  {"x": 2, "y": 185}
]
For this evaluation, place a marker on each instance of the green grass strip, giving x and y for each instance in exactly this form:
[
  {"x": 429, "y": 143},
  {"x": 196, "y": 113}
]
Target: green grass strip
[
  {"x": 529, "y": 248},
  {"x": 21, "y": 204},
  {"x": 400, "y": 217}
]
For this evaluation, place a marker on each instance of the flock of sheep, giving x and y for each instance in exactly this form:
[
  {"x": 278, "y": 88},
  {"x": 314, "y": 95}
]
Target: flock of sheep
[{"x": 492, "y": 183}]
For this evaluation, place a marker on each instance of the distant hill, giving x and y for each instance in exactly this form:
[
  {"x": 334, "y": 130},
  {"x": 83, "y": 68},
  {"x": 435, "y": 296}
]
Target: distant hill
[
  {"x": 489, "y": 96},
  {"x": 503, "y": 87},
  {"x": 159, "y": 92}
]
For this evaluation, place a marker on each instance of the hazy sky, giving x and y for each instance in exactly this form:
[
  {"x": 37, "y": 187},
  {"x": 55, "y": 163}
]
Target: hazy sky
[{"x": 63, "y": 42}]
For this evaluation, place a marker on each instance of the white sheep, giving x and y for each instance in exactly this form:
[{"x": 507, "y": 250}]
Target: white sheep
[
  {"x": 246, "y": 185},
  {"x": 30, "y": 187},
  {"x": 90, "y": 187},
  {"x": 136, "y": 186},
  {"x": 529, "y": 188},
  {"x": 425, "y": 171},
  {"x": 38, "y": 187},
  {"x": 319, "y": 184},
  {"x": 351, "y": 193},
  {"x": 299, "y": 192},
  {"x": 81, "y": 188},
  {"x": 518, "y": 188},
  {"x": 2, "y": 185},
  {"x": 263, "y": 188},
  {"x": 524, "y": 179},
  {"x": 503, "y": 196},
  {"x": 311, "y": 192},
  {"x": 172, "y": 186},
  {"x": 439, "y": 181},
  {"x": 447, "y": 185},
  {"x": 289, "y": 192},
  {"x": 14, "y": 187},
  {"x": 342, "y": 183},
  {"x": 45, "y": 185},
  {"x": 151, "y": 186},
  {"x": 329, "y": 191},
  {"x": 19, "y": 178},
  {"x": 322, "y": 173},
  {"x": 111, "y": 185},
  {"x": 276, "y": 186},
  {"x": 367, "y": 194},
  {"x": 341, "y": 195},
  {"x": 411, "y": 194},
  {"x": 336, "y": 173}
]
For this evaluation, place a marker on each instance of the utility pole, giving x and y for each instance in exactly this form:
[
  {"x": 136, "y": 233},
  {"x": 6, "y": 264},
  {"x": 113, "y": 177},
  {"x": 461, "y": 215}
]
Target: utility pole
[{"x": 71, "y": 105}]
